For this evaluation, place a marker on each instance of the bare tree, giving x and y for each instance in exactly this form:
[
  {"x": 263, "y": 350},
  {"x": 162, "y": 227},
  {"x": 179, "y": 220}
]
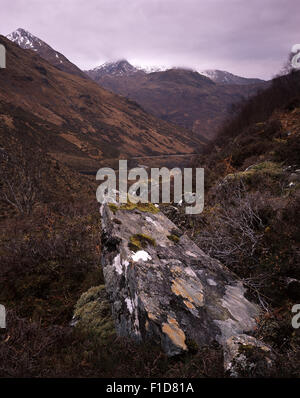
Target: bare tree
[
  {"x": 20, "y": 179},
  {"x": 233, "y": 232}
]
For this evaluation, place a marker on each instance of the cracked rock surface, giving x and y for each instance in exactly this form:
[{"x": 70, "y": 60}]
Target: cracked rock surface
[{"x": 163, "y": 287}]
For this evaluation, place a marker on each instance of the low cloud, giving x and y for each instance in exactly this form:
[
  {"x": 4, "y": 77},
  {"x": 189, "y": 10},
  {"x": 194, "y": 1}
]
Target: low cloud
[{"x": 247, "y": 38}]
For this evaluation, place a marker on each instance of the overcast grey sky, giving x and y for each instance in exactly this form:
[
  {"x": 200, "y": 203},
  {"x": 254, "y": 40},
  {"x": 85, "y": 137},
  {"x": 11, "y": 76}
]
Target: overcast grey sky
[{"x": 247, "y": 37}]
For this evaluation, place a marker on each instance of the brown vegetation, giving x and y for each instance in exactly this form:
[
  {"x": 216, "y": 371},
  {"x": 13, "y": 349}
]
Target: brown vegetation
[{"x": 251, "y": 212}]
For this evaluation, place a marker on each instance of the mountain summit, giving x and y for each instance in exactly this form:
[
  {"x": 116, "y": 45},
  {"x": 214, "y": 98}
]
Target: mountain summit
[
  {"x": 122, "y": 68},
  {"x": 113, "y": 69},
  {"x": 28, "y": 41}
]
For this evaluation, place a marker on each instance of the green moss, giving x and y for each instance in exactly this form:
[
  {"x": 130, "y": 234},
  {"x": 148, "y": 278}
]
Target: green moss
[
  {"x": 173, "y": 238},
  {"x": 246, "y": 348},
  {"x": 264, "y": 169},
  {"x": 267, "y": 166},
  {"x": 113, "y": 207},
  {"x": 93, "y": 314},
  {"x": 192, "y": 346},
  {"x": 140, "y": 241},
  {"x": 144, "y": 207}
]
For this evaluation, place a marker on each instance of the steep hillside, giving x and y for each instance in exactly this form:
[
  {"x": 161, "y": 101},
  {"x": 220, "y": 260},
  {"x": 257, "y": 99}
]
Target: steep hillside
[
  {"x": 76, "y": 120},
  {"x": 180, "y": 96},
  {"x": 265, "y": 127}
]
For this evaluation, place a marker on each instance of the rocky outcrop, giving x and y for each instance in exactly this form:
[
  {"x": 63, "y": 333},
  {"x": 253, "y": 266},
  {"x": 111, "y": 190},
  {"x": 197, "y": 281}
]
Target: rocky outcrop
[
  {"x": 163, "y": 287},
  {"x": 245, "y": 356}
]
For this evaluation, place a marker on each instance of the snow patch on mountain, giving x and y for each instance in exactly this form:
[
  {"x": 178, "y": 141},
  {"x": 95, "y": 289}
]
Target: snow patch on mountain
[
  {"x": 223, "y": 77},
  {"x": 28, "y": 41},
  {"x": 117, "y": 68},
  {"x": 25, "y": 39},
  {"x": 124, "y": 68}
]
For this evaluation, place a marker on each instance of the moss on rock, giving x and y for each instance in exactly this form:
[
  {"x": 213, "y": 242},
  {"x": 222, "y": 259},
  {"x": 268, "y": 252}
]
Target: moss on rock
[
  {"x": 144, "y": 207},
  {"x": 174, "y": 238},
  {"x": 113, "y": 207},
  {"x": 93, "y": 314},
  {"x": 140, "y": 241}
]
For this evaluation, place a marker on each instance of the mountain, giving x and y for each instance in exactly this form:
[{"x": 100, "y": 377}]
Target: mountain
[
  {"x": 223, "y": 77},
  {"x": 74, "y": 119},
  {"x": 180, "y": 96},
  {"x": 118, "y": 68},
  {"x": 28, "y": 41},
  {"x": 121, "y": 68}
]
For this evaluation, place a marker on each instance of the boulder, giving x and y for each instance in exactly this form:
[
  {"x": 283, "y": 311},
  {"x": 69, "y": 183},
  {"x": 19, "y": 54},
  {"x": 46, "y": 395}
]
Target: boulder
[{"x": 163, "y": 287}]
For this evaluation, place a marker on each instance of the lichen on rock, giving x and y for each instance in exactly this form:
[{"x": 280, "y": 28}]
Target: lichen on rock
[{"x": 165, "y": 292}]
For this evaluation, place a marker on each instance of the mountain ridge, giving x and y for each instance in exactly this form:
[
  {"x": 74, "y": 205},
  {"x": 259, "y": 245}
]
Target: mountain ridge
[
  {"x": 28, "y": 41},
  {"x": 77, "y": 121},
  {"x": 181, "y": 96},
  {"x": 224, "y": 77},
  {"x": 178, "y": 95}
]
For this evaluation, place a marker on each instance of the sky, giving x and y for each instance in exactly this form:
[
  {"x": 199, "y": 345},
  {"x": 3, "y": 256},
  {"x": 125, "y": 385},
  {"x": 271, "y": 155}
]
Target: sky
[{"x": 247, "y": 38}]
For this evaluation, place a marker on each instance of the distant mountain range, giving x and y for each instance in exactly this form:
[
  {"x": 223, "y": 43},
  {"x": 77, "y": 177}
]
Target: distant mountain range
[
  {"x": 197, "y": 101},
  {"x": 124, "y": 68}
]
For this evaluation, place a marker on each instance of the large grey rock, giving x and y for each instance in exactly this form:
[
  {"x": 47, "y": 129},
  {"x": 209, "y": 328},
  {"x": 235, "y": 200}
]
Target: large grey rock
[{"x": 169, "y": 290}]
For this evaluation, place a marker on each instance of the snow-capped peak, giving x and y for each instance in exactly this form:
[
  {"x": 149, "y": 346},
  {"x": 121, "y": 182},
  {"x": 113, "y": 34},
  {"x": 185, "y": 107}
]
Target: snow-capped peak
[
  {"x": 117, "y": 68},
  {"x": 218, "y": 76},
  {"x": 123, "y": 68},
  {"x": 25, "y": 39}
]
